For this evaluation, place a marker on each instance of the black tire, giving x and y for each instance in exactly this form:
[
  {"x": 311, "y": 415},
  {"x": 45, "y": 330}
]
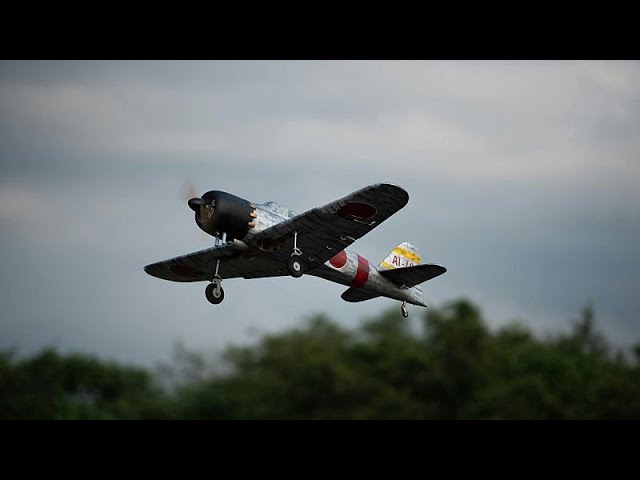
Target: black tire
[
  {"x": 296, "y": 267},
  {"x": 211, "y": 296}
]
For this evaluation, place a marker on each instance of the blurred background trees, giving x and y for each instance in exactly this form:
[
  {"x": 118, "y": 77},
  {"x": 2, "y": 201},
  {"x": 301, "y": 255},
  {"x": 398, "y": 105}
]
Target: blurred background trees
[{"x": 452, "y": 367}]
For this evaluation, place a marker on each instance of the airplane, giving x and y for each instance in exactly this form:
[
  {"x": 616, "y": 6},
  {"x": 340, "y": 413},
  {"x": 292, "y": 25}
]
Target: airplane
[{"x": 253, "y": 240}]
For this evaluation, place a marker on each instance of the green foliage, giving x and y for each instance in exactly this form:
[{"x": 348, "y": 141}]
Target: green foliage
[
  {"x": 52, "y": 386},
  {"x": 453, "y": 368}
]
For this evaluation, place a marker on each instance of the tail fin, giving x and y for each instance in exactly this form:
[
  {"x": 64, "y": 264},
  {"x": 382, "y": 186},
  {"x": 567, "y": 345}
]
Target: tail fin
[{"x": 404, "y": 255}]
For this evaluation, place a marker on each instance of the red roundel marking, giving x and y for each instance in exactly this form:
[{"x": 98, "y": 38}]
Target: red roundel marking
[
  {"x": 362, "y": 275},
  {"x": 185, "y": 271},
  {"x": 357, "y": 210},
  {"x": 339, "y": 260}
]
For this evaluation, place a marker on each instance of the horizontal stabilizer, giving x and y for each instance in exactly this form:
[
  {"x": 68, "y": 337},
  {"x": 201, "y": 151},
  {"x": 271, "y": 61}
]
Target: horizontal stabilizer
[
  {"x": 411, "y": 276},
  {"x": 358, "y": 295}
]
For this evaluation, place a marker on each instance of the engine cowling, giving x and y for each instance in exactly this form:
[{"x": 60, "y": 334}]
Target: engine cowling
[{"x": 218, "y": 212}]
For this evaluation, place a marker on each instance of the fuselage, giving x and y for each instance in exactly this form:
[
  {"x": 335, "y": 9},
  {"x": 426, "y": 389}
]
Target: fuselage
[{"x": 346, "y": 267}]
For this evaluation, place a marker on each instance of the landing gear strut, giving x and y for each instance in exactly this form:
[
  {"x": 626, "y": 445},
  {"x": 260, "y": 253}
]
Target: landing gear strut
[
  {"x": 214, "y": 291},
  {"x": 295, "y": 265},
  {"x": 403, "y": 310}
]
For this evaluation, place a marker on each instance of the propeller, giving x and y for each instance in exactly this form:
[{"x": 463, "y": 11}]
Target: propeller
[
  {"x": 189, "y": 190},
  {"x": 202, "y": 207}
]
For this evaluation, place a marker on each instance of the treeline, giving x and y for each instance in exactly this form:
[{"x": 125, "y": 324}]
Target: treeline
[{"x": 454, "y": 367}]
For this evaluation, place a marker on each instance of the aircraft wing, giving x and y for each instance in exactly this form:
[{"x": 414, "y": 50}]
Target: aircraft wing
[
  {"x": 201, "y": 265},
  {"x": 325, "y": 231}
]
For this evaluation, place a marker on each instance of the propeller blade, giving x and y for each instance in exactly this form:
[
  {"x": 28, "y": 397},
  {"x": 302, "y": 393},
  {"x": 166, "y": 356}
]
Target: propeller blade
[{"x": 189, "y": 190}]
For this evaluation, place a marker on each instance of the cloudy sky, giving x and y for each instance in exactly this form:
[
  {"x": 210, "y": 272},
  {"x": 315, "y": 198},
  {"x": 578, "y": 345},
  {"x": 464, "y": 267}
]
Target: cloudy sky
[{"x": 523, "y": 182}]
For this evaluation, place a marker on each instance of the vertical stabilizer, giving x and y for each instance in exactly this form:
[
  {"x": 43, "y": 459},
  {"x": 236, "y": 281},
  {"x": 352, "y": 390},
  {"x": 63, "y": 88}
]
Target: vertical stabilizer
[{"x": 404, "y": 255}]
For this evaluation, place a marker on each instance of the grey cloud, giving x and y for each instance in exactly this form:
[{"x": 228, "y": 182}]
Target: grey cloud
[{"x": 522, "y": 177}]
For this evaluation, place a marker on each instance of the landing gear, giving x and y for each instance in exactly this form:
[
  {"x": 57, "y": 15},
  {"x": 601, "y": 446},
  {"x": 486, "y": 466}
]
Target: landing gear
[
  {"x": 403, "y": 310},
  {"x": 214, "y": 291},
  {"x": 295, "y": 265}
]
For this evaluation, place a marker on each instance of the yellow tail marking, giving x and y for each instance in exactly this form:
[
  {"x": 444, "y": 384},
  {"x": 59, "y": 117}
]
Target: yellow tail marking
[
  {"x": 408, "y": 254},
  {"x": 386, "y": 265}
]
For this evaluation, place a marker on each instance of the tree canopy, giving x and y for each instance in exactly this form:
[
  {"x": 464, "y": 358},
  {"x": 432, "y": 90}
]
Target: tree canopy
[{"x": 454, "y": 367}]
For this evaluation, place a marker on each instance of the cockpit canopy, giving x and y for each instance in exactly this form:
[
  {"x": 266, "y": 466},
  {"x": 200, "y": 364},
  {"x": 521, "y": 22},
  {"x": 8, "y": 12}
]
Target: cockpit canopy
[{"x": 279, "y": 209}]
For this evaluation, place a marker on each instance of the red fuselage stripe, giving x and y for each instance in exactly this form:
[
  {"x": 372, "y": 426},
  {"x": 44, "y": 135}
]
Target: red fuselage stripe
[{"x": 362, "y": 275}]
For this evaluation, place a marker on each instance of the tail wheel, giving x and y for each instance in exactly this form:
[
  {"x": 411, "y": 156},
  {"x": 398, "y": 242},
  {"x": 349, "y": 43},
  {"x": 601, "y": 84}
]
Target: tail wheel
[
  {"x": 213, "y": 294},
  {"x": 404, "y": 311},
  {"x": 296, "y": 266}
]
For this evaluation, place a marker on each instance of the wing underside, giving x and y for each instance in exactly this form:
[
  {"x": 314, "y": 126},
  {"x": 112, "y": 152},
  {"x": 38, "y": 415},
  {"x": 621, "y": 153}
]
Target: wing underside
[
  {"x": 325, "y": 231},
  {"x": 200, "y": 266},
  {"x": 322, "y": 233}
]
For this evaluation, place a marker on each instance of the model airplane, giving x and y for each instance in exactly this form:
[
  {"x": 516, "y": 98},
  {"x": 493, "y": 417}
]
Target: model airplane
[{"x": 269, "y": 240}]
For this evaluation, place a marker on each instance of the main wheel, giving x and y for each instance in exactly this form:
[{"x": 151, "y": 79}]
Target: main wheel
[
  {"x": 296, "y": 267},
  {"x": 213, "y": 295},
  {"x": 404, "y": 311}
]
